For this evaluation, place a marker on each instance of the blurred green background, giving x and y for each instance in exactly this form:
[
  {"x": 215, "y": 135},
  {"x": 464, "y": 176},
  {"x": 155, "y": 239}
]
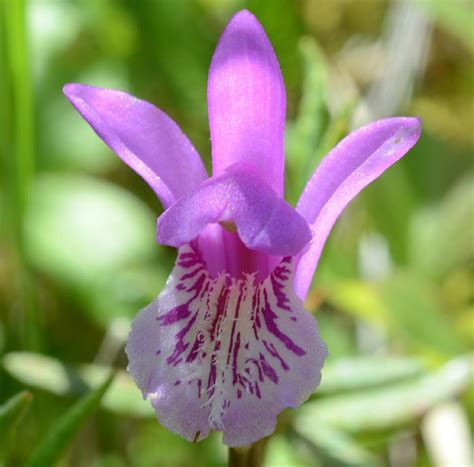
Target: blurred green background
[{"x": 393, "y": 292}]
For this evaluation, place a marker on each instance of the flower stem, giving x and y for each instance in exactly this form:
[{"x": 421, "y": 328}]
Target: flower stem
[{"x": 250, "y": 456}]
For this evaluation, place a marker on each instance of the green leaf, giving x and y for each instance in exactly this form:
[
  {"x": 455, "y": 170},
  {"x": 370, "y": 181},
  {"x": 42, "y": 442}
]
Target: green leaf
[
  {"x": 404, "y": 305},
  {"x": 51, "y": 375},
  {"x": 79, "y": 227},
  {"x": 60, "y": 435},
  {"x": 312, "y": 113},
  {"x": 280, "y": 451},
  {"x": 338, "y": 335},
  {"x": 181, "y": 69},
  {"x": 441, "y": 234},
  {"x": 43, "y": 372},
  {"x": 390, "y": 202},
  {"x": 304, "y": 134},
  {"x": 390, "y": 406},
  {"x": 336, "y": 129},
  {"x": 353, "y": 373},
  {"x": 416, "y": 315},
  {"x": 11, "y": 413},
  {"x": 86, "y": 234},
  {"x": 124, "y": 397},
  {"x": 333, "y": 447},
  {"x": 357, "y": 298}
]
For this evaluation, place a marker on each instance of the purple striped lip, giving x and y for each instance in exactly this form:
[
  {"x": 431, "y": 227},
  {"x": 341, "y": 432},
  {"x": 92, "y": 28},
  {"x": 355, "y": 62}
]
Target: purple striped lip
[
  {"x": 216, "y": 305},
  {"x": 231, "y": 338}
]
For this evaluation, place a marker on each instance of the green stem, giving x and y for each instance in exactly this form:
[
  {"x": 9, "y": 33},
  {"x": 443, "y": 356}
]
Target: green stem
[
  {"x": 17, "y": 54},
  {"x": 18, "y": 166},
  {"x": 250, "y": 456}
]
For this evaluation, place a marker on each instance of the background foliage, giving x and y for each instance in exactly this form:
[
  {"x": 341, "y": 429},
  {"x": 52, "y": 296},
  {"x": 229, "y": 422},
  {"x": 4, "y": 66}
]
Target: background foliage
[{"x": 393, "y": 293}]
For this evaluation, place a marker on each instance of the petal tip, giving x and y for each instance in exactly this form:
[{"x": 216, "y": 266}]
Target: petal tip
[
  {"x": 411, "y": 122},
  {"x": 244, "y": 15},
  {"x": 76, "y": 94},
  {"x": 416, "y": 125},
  {"x": 244, "y": 22},
  {"x": 406, "y": 129},
  {"x": 411, "y": 128},
  {"x": 69, "y": 90}
]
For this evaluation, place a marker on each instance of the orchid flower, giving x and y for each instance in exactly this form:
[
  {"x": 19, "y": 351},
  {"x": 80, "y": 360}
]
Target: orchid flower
[{"x": 228, "y": 345}]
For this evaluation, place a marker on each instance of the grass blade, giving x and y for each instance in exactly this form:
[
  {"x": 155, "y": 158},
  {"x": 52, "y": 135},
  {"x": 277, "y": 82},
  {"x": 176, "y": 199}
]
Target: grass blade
[{"x": 54, "y": 444}]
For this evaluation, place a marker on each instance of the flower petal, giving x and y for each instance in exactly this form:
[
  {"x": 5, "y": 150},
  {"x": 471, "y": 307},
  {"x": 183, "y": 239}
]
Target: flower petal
[
  {"x": 246, "y": 98},
  {"x": 224, "y": 354},
  {"x": 356, "y": 161},
  {"x": 264, "y": 221},
  {"x": 143, "y": 136}
]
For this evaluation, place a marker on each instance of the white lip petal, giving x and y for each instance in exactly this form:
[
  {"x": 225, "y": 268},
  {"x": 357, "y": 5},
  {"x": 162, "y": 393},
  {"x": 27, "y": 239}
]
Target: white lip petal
[{"x": 225, "y": 354}]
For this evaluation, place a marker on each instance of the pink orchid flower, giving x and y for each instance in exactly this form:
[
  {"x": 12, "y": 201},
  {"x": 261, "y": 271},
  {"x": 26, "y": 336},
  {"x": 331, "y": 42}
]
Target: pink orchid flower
[{"x": 228, "y": 345}]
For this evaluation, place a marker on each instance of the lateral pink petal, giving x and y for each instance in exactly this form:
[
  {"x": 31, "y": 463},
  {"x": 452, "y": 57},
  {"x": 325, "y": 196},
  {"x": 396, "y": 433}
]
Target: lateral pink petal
[
  {"x": 264, "y": 221},
  {"x": 246, "y": 98},
  {"x": 356, "y": 161},
  {"x": 143, "y": 136}
]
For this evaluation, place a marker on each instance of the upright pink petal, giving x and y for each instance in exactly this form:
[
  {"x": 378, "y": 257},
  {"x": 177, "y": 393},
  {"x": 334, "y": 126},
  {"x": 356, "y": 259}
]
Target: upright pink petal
[
  {"x": 143, "y": 136},
  {"x": 356, "y": 161},
  {"x": 246, "y": 98}
]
